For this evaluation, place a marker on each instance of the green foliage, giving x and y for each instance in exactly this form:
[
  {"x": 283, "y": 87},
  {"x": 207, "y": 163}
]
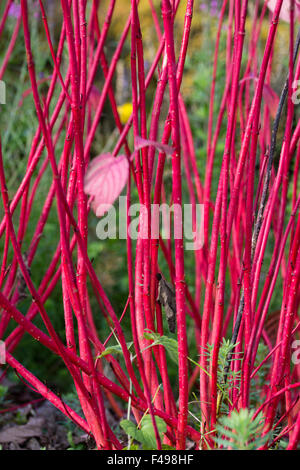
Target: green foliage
[
  {"x": 200, "y": 66},
  {"x": 72, "y": 400},
  {"x": 170, "y": 344},
  {"x": 131, "y": 447},
  {"x": 226, "y": 356},
  {"x": 259, "y": 381},
  {"x": 116, "y": 349},
  {"x": 3, "y": 391},
  {"x": 18, "y": 127},
  {"x": 144, "y": 434},
  {"x": 20, "y": 418},
  {"x": 74, "y": 446},
  {"x": 240, "y": 431}
]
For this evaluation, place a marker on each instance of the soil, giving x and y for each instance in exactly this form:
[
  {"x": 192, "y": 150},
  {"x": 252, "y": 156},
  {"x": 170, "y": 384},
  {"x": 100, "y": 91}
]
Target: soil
[{"x": 28, "y": 422}]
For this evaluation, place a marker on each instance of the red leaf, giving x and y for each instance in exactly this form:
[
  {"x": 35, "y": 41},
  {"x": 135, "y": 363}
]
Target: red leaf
[
  {"x": 141, "y": 143},
  {"x": 285, "y": 9},
  {"x": 271, "y": 98},
  {"x": 105, "y": 179},
  {"x": 94, "y": 97}
]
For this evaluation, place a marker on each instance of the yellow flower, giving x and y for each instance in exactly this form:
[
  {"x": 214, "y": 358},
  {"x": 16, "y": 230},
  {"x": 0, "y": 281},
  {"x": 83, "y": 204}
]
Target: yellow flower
[{"x": 125, "y": 111}]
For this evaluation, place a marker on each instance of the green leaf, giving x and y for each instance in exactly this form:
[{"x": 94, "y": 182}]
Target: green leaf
[
  {"x": 244, "y": 432},
  {"x": 198, "y": 365},
  {"x": 132, "y": 447},
  {"x": 116, "y": 349},
  {"x": 3, "y": 391},
  {"x": 170, "y": 344},
  {"x": 145, "y": 435},
  {"x": 130, "y": 429},
  {"x": 148, "y": 431}
]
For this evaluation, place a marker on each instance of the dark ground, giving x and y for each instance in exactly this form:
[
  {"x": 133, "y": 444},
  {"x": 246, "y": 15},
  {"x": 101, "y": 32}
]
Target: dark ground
[{"x": 28, "y": 422}]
